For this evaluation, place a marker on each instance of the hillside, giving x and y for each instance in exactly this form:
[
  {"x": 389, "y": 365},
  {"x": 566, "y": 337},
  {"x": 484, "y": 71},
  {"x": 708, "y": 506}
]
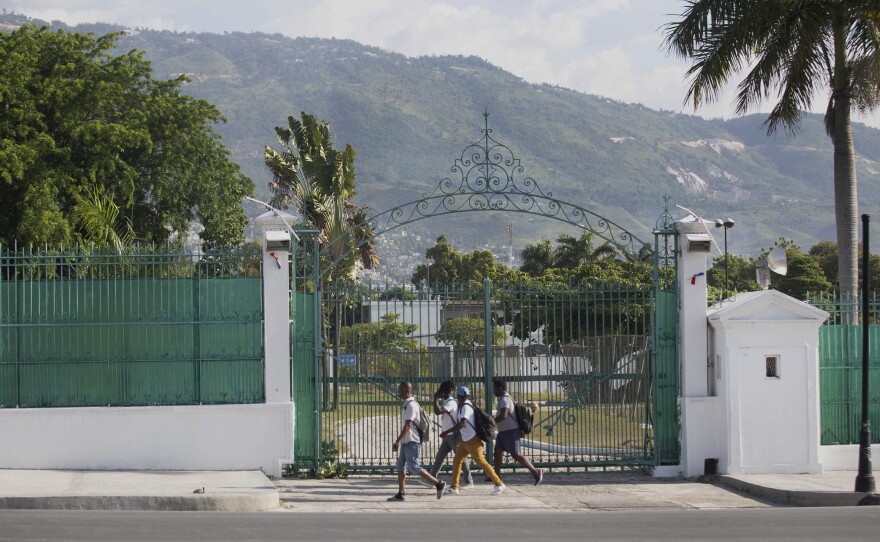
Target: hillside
[{"x": 410, "y": 118}]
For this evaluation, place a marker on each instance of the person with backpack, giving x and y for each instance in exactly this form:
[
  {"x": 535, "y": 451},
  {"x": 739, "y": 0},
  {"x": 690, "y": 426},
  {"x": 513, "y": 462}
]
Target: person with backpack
[
  {"x": 510, "y": 432},
  {"x": 471, "y": 443},
  {"x": 408, "y": 444},
  {"x": 446, "y": 407}
]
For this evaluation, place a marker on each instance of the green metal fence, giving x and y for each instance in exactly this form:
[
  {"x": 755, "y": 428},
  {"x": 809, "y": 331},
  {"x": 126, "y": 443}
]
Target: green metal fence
[
  {"x": 579, "y": 353},
  {"x": 151, "y": 326},
  {"x": 840, "y": 372}
]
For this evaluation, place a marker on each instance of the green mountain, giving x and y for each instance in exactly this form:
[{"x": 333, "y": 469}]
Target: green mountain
[{"x": 409, "y": 119}]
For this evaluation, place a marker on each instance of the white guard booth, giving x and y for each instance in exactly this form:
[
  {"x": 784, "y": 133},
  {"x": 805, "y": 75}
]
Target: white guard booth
[{"x": 764, "y": 370}]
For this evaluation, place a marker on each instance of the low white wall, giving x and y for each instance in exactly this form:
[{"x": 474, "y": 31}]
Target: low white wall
[
  {"x": 701, "y": 432},
  {"x": 845, "y": 457},
  {"x": 208, "y": 437}
]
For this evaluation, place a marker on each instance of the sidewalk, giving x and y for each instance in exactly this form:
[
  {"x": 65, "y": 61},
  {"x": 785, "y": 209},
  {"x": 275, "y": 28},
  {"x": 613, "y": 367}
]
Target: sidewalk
[
  {"x": 251, "y": 491},
  {"x": 235, "y": 491}
]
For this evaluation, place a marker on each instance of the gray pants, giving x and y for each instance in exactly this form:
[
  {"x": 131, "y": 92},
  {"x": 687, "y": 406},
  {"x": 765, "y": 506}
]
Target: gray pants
[{"x": 449, "y": 444}]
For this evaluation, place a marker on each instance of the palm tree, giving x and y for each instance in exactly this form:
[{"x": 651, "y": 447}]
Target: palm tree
[
  {"x": 536, "y": 258},
  {"x": 318, "y": 180},
  {"x": 98, "y": 218},
  {"x": 573, "y": 252},
  {"x": 797, "y": 47}
]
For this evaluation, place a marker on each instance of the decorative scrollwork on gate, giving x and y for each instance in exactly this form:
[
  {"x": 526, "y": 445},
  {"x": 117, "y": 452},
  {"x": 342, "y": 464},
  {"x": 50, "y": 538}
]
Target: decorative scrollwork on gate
[{"x": 488, "y": 181}]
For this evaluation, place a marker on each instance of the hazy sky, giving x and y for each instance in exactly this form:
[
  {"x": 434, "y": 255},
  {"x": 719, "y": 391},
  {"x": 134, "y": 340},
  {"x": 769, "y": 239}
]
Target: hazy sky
[{"x": 605, "y": 47}]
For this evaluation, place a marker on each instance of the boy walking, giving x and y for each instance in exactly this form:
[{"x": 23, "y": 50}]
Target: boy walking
[
  {"x": 509, "y": 434},
  {"x": 408, "y": 444},
  {"x": 446, "y": 407},
  {"x": 471, "y": 445}
]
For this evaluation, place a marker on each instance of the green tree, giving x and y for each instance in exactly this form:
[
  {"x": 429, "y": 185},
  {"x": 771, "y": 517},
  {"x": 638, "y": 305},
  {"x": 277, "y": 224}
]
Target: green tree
[
  {"x": 318, "y": 180},
  {"x": 825, "y": 254},
  {"x": 386, "y": 347},
  {"x": 796, "y": 47},
  {"x": 477, "y": 265},
  {"x": 386, "y": 335},
  {"x": 98, "y": 218},
  {"x": 741, "y": 274},
  {"x": 573, "y": 252},
  {"x": 536, "y": 258},
  {"x": 75, "y": 119},
  {"x": 443, "y": 267},
  {"x": 464, "y": 333},
  {"x": 804, "y": 276}
]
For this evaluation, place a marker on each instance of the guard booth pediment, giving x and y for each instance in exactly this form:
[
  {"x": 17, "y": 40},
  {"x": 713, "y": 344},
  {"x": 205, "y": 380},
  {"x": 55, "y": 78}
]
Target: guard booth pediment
[{"x": 764, "y": 306}]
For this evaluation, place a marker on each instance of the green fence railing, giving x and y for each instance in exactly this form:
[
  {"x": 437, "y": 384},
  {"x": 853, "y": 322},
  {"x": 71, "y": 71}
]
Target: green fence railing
[
  {"x": 840, "y": 373},
  {"x": 146, "y": 327}
]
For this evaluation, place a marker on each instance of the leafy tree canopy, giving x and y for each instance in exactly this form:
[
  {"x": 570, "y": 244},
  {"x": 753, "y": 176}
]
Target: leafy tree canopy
[
  {"x": 79, "y": 126},
  {"x": 448, "y": 266},
  {"x": 386, "y": 335},
  {"x": 464, "y": 333}
]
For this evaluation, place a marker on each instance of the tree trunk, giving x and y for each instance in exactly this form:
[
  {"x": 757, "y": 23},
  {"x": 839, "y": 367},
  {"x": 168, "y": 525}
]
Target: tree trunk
[{"x": 846, "y": 206}]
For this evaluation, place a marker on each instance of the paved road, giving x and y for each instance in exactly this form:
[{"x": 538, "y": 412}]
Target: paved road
[{"x": 794, "y": 524}]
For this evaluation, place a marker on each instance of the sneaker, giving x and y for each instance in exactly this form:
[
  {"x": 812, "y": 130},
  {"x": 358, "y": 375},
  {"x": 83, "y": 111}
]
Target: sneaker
[
  {"x": 498, "y": 490},
  {"x": 539, "y": 477},
  {"x": 452, "y": 491},
  {"x": 398, "y": 497},
  {"x": 440, "y": 487}
]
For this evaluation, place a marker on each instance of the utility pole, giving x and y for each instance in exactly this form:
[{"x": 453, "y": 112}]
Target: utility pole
[{"x": 510, "y": 245}]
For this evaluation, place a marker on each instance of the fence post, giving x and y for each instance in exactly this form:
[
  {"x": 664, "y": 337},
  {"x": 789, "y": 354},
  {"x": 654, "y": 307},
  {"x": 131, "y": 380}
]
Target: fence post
[{"x": 276, "y": 305}]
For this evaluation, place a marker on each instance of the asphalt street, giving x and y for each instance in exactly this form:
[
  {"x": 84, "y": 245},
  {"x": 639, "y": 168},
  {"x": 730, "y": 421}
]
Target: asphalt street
[{"x": 794, "y": 524}]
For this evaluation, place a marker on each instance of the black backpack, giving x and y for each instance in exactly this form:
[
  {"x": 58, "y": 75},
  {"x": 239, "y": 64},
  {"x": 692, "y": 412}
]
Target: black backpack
[
  {"x": 485, "y": 426},
  {"x": 524, "y": 418}
]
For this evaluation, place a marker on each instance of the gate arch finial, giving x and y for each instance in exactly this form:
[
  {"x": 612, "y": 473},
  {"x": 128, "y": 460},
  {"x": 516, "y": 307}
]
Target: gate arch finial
[{"x": 488, "y": 167}]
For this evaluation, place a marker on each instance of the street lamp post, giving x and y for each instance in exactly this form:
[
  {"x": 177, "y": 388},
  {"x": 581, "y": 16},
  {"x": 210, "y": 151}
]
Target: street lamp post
[
  {"x": 727, "y": 223},
  {"x": 865, "y": 478}
]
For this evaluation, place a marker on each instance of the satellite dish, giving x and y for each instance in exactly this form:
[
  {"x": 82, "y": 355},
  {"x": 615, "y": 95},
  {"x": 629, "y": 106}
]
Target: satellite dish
[{"x": 776, "y": 262}]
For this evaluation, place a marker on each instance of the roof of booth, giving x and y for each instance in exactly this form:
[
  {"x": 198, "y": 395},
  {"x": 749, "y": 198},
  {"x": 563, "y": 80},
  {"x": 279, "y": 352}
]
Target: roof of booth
[{"x": 764, "y": 306}]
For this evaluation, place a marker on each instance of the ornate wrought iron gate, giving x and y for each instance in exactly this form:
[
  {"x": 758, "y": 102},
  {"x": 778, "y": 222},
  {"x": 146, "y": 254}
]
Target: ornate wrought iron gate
[{"x": 598, "y": 363}]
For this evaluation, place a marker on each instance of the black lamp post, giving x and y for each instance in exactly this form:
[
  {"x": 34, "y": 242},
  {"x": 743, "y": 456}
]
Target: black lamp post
[
  {"x": 727, "y": 223},
  {"x": 865, "y": 478}
]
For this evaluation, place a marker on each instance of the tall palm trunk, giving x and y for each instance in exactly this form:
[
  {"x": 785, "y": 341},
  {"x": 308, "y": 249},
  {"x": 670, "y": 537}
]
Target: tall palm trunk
[
  {"x": 845, "y": 200},
  {"x": 846, "y": 206}
]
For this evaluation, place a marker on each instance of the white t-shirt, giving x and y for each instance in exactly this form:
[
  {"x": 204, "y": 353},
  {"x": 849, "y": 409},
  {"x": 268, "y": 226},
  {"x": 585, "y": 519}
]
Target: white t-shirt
[
  {"x": 410, "y": 411},
  {"x": 450, "y": 417},
  {"x": 510, "y": 422},
  {"x": 466, "y": 411}
]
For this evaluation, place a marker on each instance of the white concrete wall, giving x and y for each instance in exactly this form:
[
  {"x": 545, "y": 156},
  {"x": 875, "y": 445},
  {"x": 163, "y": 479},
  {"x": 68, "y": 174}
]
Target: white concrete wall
[
  {"x": 211, "y": 437},
  {"x": 423, "y": 313},
  {"x": 700, "y": 421},
  {"x": 845, "y": 457}
]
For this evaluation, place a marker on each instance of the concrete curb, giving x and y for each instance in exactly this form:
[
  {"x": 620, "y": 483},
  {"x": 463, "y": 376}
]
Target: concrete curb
[
  {"x": 227, "y": 502},
  {"x": 795, "y": 497}
]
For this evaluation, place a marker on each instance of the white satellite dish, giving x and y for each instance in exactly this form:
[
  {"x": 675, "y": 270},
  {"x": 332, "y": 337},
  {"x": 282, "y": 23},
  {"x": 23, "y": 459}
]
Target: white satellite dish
[{"x": 776, "y": 262}]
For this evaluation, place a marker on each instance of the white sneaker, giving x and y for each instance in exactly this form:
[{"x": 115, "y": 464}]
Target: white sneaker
[
  {"x": 451, "y": 491},
  {"x": 498, "y": 490}
]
